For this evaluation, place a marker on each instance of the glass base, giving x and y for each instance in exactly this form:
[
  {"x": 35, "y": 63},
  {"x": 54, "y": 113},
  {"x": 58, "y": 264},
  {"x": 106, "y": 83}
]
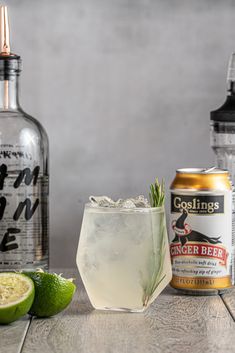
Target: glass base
[{"x": 126, "y": 310}]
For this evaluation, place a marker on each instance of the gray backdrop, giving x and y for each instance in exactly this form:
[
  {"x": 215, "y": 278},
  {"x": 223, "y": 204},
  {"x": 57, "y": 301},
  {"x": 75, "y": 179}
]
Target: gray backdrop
[{"x": 124, "y": 89}]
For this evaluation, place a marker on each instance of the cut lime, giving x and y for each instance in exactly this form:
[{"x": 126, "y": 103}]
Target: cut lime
[
  {"x": 16, "y": 296},
  {"x": 53, "y": 293}
]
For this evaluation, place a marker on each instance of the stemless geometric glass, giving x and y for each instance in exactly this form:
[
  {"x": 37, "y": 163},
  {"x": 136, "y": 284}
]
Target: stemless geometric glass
[{"x": 123, "y": 256}]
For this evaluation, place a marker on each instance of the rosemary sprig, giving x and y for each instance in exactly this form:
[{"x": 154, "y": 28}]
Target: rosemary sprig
[
  {"x": 157, "y": 271},
  {"x": 157, "y": 193}
]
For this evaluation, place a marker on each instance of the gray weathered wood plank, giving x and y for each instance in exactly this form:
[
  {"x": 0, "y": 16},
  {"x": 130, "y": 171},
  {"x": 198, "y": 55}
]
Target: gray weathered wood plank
[
  {"x": 229, "y": 300},
  {"x": 12, "y": 336},
  {"x": 174, "y": 323}
]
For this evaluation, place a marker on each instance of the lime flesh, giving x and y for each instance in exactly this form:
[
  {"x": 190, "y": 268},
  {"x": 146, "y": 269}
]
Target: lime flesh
[
  {"x": 53, "y": 293},
  {"x": 16, "y": 296}
]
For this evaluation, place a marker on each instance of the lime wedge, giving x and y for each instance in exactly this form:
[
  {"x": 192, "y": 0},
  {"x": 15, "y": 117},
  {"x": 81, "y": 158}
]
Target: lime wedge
[
  {"x": 16, "y": 296},
  {"x": 53, "y": 293}
]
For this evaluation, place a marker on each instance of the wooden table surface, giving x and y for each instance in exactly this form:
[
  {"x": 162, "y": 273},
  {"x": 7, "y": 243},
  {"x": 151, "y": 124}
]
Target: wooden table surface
[{"x": 173, "y": 323}]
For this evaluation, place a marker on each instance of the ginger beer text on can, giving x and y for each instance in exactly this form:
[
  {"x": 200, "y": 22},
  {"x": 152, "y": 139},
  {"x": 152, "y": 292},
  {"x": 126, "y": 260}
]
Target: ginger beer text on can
[{"x": 201, "y": 230}]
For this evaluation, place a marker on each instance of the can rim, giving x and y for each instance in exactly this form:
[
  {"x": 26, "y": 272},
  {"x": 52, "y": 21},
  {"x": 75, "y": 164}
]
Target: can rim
[{"x": 206, "y": 171}]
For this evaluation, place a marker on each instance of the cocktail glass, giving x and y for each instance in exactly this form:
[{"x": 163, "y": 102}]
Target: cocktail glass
[{"x": 123, "y": 256}]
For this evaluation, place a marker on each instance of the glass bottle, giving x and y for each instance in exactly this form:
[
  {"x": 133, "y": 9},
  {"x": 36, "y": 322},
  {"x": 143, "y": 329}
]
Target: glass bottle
[
  {"x": 223, "y": 141},
  {"x": 24, "y": 176}
]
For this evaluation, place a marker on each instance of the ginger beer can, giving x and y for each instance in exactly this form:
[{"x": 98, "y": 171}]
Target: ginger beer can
[{"x": 201, "y": 234}]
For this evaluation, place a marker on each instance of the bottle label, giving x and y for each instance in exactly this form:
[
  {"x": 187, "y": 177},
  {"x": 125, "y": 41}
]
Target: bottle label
[
  {"x": 23, "y": 210},
  {"x": 201, "y": 239}
]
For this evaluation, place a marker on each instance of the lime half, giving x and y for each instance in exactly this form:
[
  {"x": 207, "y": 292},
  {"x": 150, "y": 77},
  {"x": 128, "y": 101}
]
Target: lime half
[
  {"x": 53, "y": 293},
  {"x": 16, "y": 296}
]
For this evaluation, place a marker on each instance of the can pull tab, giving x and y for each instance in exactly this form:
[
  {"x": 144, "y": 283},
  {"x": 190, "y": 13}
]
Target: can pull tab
[{"x": 209, "y": 170}]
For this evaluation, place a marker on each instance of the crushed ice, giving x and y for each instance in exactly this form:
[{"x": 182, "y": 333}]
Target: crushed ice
[{"x": 104, "y": 201}]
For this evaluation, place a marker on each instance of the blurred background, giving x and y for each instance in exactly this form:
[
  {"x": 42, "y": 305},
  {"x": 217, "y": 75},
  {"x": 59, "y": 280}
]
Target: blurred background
[{"x": 124, "y": 89}]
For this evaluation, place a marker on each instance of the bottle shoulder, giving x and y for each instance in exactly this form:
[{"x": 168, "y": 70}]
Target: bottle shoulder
[
  {"x": 34, "y": 123},
  {"x": 19, "y": 130},
  {"x": 226, "y": 112},
  {"x": 19, "y": 120}
]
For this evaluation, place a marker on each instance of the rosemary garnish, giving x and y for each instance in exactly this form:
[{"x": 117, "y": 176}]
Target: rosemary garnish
[
  {"x": 157, "y": 193},
  {"x": 157, "y": 255}
]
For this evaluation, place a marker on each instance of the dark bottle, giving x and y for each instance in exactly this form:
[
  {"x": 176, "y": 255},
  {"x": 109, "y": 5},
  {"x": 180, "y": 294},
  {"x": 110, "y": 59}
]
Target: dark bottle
[
  {"x": 223, "y": 126},
  {"x": 24, "y": 176}
]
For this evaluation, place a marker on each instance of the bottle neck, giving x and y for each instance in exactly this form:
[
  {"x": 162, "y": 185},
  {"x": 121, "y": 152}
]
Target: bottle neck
[{"x": 9, "y": 93}]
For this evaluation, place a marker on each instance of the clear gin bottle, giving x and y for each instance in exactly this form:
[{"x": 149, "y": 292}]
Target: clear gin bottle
[{"x": 24, "y": 175}]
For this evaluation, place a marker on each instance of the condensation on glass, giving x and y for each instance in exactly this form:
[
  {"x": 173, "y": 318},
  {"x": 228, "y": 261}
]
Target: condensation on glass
[{"x": 123, "y": 256}]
